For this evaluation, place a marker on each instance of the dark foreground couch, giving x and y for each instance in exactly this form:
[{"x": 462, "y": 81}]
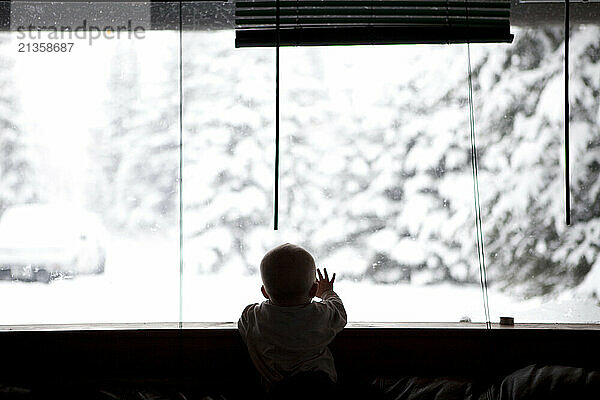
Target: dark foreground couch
[{"x": 408, "y": 362}]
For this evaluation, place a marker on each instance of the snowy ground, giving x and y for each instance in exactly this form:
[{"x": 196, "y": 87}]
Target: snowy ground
[{"x": 141, "y": 284}]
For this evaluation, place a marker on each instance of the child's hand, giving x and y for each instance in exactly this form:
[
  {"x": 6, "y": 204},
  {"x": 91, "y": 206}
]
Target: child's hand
[{"x": 324, "y": 283}]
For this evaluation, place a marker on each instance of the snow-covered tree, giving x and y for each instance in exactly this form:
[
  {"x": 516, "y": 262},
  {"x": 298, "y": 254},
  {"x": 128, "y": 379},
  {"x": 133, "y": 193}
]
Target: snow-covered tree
[
  {"x": 383, "y": 187},
  {"x": 16, "y": 172},
  {"x": 432, "y": 215},
  {"x": 138, "y": 151},
  {"x": 148, "y": 178},
  {"x": 228, "y": 134},
  {"x": 530, "y": 247},
  {"x": 112, "y": 143}
]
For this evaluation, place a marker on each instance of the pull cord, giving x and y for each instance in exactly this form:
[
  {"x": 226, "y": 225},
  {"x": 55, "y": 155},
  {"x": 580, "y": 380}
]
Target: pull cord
[
  {"x": 180, "y": 165},
  {"x": 567, "y": 118},
  {"x": 478, "y": 225},
  {"x": 475, "y": 168},
  {"x": 276, "y": 188}
]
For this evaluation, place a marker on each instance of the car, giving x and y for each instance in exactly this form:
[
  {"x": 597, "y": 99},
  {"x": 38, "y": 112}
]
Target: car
[{"x": 39, "y": 242}]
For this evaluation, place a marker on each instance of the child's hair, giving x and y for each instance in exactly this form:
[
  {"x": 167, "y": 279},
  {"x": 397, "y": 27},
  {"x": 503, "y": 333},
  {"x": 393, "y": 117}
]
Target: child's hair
[{"x": 287, "y": 272}]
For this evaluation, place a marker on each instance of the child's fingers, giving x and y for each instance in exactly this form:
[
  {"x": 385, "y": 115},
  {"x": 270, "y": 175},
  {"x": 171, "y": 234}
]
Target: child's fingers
[
  {"x": 333, "y": 278},
  {"x": 320, "y": 276},
  {"x": 326, "y": 276}
]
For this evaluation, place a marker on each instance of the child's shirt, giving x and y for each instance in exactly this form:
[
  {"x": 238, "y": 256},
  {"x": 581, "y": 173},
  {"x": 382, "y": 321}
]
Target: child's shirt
[{"x": 283, "y": 341}]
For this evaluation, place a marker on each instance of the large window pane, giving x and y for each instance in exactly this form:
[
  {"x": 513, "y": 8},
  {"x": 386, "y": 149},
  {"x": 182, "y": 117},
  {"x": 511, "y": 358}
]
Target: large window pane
[
  {"x": 89, "y": 173},
  {"x": 580, "y": 243},
  {"x": 229, "y": 108},
  {"x": 539, "y": 269},
  {"x": 375, "y": 177},
  {"x": 373, "y": 147},
  {"x": 376, "y": 146}
]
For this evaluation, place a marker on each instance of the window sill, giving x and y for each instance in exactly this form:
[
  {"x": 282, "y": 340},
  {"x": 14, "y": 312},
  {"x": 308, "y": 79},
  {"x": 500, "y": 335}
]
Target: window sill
[{"x": 351, "y": 326}]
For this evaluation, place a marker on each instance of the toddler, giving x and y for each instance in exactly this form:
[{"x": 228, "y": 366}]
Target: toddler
[{"x": 287, "y": 335}]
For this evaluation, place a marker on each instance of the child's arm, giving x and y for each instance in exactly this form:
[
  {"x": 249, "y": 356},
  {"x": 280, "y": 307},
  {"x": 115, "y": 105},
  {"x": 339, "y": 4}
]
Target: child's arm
[
  {"x": 243, "y": 322},
  {"x": 337, "y": 312}
]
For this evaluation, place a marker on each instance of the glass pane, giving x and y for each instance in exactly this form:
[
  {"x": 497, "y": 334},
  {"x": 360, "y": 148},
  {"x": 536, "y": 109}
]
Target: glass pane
[
  {"x": 229, "y": 108},
  {"x": 578, "y": 245},
  {"x": 538, "y": 268},
  {"x": 373, "y": 144},
  {"x": 89, "y": 173},
  {"x": 376, "y": 146}
]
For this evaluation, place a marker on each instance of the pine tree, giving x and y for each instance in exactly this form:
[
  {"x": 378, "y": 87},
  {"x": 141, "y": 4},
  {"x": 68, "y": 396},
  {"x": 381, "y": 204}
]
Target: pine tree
[
  {"x": 113, "y": 146},
  {"x": 228, "y": 126},
  {"x": 150, "y": 168},
  {"x": 421, "y": 220},
  {"x": 531, "y": 249},
  {"x": 138, "y": 152},
  {"x": 386, "y": 189},
  {"x": 16, "y": 172}
]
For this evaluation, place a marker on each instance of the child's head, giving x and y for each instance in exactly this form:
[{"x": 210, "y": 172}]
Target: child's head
[{"x": 288, "y": 275}]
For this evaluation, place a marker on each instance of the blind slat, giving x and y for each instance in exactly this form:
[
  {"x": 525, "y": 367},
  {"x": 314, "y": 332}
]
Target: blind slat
[
  {"x": 372, "y": 12},
  {"x": 330, "y": 22},
  {"x": 366, "y": 36},
  {"x": 374, "y": 4},
  {"x": 301, "y": 21}
]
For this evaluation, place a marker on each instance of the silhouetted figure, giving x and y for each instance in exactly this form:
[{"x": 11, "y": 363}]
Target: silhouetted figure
[{"x": 287, "y": 335}]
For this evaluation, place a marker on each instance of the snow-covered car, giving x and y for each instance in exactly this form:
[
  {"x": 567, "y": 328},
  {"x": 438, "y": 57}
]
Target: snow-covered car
[{"x": 41, "y": 241}]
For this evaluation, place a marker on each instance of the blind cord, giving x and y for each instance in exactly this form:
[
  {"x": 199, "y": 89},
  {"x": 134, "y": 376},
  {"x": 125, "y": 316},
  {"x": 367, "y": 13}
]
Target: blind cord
[
  {"x": 567, "y": 119},
  {"x": 180, "y": 346},
  {"x": 478, "y": 224},
  {"x": 276, "y": 189},
  {"x": 475, "y": 168},
  {"x": 180, "y": 165}
]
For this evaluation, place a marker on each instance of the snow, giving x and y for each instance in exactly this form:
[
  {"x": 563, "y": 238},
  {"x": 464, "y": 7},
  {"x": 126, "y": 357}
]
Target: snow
[
  {"x": 408, "y": 251},
  {"x": 553, "y": 110},
  {"x": 349, "y": 259},
  {"x": 383, "y": 240},
  {"x": 141, "y": 284}
]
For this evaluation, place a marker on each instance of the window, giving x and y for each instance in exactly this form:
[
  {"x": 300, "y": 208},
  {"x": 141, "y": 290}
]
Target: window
[
  {"x": 78, "y": 123},
  {"x": 540, "y": 269},
  {"x": 375, "y": 172}
]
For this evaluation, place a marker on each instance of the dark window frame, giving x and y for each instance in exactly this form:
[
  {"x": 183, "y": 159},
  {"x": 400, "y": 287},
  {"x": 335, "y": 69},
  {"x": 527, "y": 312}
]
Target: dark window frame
[{"x": 218, "y": 15}]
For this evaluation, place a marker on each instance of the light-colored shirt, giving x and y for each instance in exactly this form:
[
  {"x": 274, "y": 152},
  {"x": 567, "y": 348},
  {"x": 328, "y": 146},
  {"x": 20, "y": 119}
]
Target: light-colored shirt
[{"x": 283, "y": 341}]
